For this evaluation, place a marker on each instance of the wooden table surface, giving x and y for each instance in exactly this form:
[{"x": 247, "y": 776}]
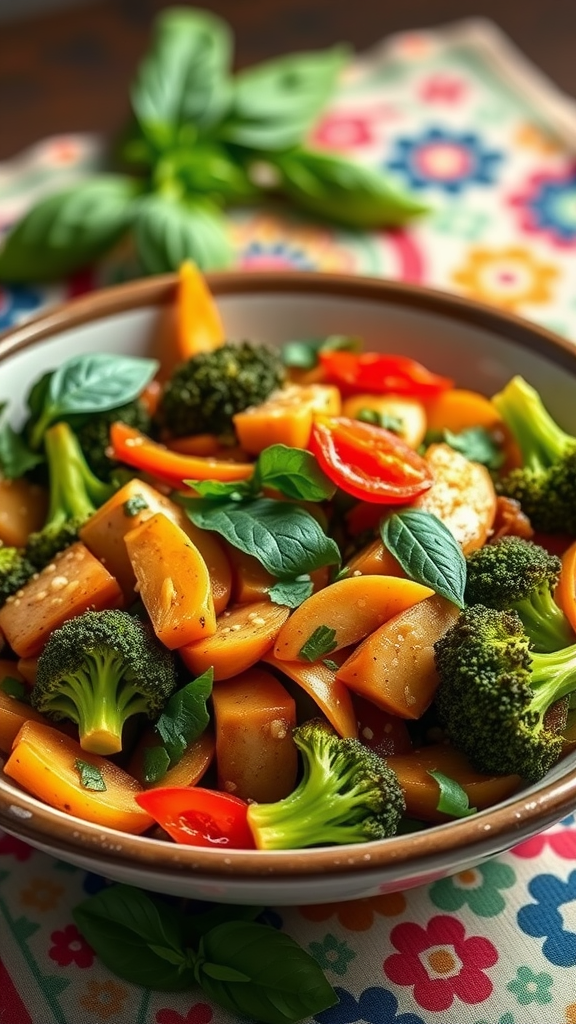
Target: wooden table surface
[{"x": 70, "y": 71}]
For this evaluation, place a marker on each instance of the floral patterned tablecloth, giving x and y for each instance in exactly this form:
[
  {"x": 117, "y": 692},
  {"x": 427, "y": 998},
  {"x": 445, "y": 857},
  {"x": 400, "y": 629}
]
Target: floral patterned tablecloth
[{"x": 462, "y": 118}]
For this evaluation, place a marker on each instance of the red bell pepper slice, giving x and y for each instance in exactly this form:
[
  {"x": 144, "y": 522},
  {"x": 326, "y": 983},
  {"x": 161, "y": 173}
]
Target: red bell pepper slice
[
  {"x": 199, "y": 817},
  {"x": 136, "y": 449},
  {"x": 380, "y": 373},
  {"x": 369, "y": 462}
]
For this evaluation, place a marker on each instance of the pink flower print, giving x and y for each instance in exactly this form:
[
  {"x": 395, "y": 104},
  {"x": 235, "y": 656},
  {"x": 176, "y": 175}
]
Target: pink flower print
[
  {"x": 12, "y": 847},
  {"x": 442, "y": 88},
  {"x": 70, "y": 947},
  {"x": 561, "y": 841},
  {"x": 441, "y": 963},
  {"x": 200, "y": 1013},
  {"x": 343, "y": 132}
]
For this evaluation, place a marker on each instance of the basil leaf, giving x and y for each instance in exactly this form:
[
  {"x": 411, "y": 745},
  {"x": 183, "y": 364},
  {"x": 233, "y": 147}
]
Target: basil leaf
[
  {"x": 90, "y": 776},
  {"x": 284, "y": 983},
  {"x": 427, "y": 552},
  {"x": 198, "y": 924},
  {"x": 344, "y": 192},
  {"x": 218, "y": 489},
  {"x": 291, "y": 592},
  {"x": 69, "y": 229},
  {"x": 294, "y": 472},
  {"x": 286, "y": 539},
  {"x": 321, "y": 641},
  {"x": 276, "y": 103},
  {"x": 15, "y": 688},
  {"x": 453, "y": 800},
  {"x": 126, "y": 928},
  {"x": 91, "y": 384},
  {"x": 303, "y": 355},
  {"x": 16, "y": 458},
  {"x": 476, "y": 444},
  {"x": 183, "y": 81},
  {"x": 169, "y": 231},
  {"x": 207, "y": 168},
  {"x": 185, "y": 716},
  {"x": 156, "y": 763}
]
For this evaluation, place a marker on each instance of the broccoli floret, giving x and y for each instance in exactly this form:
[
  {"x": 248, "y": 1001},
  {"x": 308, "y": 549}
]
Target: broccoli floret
[
  {"x": 205, "y": 392},
  {"x": 75, "y": 493},
  {"x": 15, "y": 571},
  {"x": 348, "y": 794},
  {"x": 519, "y": 575},
  {"x": 545, "y": 484},
  {"x": 94, "y": 435},
  {"x": 494, "y": 693},
  {"x": 98, "y": 670}
]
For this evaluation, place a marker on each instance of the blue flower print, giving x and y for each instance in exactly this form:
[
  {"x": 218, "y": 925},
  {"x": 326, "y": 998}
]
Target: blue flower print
[
  {"x": 17, "y": 302},
  {"x": 548, "y": 206},
  {"x": 450, "y": 160},
  {"x": 374, "y": 1006},
  {"x": 545, "y": 918}
]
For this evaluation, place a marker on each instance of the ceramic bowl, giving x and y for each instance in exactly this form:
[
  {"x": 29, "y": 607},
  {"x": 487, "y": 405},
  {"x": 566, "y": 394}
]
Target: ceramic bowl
[{"x": 478, "y": 346}]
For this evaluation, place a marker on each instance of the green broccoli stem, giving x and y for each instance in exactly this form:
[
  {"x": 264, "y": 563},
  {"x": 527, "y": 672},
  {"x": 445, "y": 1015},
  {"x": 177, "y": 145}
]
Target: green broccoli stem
[
  {"x": 74, "y": 490},
  {"x": 553, "y": 677},
  {"x": 542, "y": 442},
  {"x": 316, "y": 813},
  {"x": 545, "y": 623},
  {"x": 99, "y": 700}
]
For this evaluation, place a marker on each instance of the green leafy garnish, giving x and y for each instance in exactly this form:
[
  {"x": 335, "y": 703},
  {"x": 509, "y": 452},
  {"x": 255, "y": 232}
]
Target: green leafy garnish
[
  {"x": 453, "y": 800},
  {"x": 475, "y": 443},
  {"x": 303, "y": 354},
  {"x": 183, "y": 719},
  {"x": 381, "y": 419},
  {"x": 427, "y": 552},
  {"x": 15, "y": 688},
  {"x": 16, "y": 457},
  {"x": 332, "y": 665},
  {"x": 134, "y": 505},
  {"x": 90, "y": 776},
  {"x": 200, "y": 139},
  {"x": 285, "y": 538},
  {"x": 293, "y": 472},
  {"x": 250, "y": 969},
  {"x": 321, "y": 641},
  {"x": 291, "y": 592}
]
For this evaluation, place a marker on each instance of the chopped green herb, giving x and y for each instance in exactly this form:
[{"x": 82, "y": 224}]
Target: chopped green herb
[
  {"x": 15, "y": 688},
  {"x": 90, "y": 776},
  {"x": 453, "y": 800},
  {"x": 321, "y": 641},
  {"x": 137, "y": 503},
  {"x": 291, "y": 593},
  {"x": 382, "y": 419},
  {"x": 332, "y": 665}
]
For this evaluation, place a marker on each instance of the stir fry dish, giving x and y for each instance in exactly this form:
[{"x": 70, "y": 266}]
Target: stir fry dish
[{"x": 272, "y": 598}]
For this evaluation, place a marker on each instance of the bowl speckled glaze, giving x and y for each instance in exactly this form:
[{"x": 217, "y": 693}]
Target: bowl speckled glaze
[{"x": 481, "y": 348}]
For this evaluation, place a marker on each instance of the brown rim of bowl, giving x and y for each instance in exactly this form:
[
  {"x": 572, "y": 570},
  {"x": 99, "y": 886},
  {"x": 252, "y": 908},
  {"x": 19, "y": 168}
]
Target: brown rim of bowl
[{"x": 491, "y": 830}]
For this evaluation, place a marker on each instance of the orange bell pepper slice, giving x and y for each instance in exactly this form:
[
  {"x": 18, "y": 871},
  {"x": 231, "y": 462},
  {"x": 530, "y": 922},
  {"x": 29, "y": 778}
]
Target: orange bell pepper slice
[
  {"x": 135, "y": 449},
  {"x": 198, "y": 323}
]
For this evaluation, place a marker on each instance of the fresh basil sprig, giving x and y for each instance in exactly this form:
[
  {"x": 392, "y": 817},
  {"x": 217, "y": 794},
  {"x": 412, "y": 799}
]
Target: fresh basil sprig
[
  {"x": 427, "y": 552},
  {"x": 250, "y": 969},
  {"x": 452, "y": 799},
  {"x": 85, "y": 385},
  {"x": 285, "y": 538},
  {"x": 293, "y": 472},
  {"x": 183, "y": 719},
  {"x": 197, "y": 141}
]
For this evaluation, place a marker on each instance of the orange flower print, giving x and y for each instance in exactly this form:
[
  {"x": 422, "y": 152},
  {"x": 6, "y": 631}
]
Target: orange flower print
[
  {"x": 531, "y": 137},
  {"x": 507, "y": 277},
  {"x": 41, "y": 894},
  {"x": 358, "y": 915},
  {"x": 571, "y": 1014},
  {"x": 104, "y": 999}
]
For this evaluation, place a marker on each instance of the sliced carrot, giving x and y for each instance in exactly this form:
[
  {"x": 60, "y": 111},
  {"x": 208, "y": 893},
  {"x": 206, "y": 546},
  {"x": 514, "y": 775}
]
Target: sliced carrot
[
  {"x": 409, "y": 411},
  {"x": 173, "y": 581},
  {"x": 421, "y": 789},
  {"x": 285, "y": 417},
  {"x": 189, "y": 770},
  {"x": 394, "y": 666},
  {"x": 256, "y": 756},
  {"x": 374, "y": 560},
  {"x": 243, "y": 635},
  {"x": 196, "y": 444},
  {"x": 44, "y": 762},
  {"x": 353, "y": 608},
  {"x": 73, "y": 583},
  {"x": 566, "y": 589},
  {"x": 106, "y": 529},
  {"x": 134, "y": 448},
  {"x": 319, "y": 681},
  {"x": 23, "y": 508}
]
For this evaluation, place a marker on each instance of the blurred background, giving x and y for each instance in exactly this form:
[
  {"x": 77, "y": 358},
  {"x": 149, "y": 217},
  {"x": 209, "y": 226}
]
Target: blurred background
[{"x": 65, "y": 65}]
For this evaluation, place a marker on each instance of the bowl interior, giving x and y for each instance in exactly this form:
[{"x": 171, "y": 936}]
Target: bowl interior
[{"x": 478, "y": 347}]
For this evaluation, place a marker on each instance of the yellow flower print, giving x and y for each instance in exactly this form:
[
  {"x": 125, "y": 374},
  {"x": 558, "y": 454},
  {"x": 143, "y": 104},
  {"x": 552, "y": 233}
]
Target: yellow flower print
[
  {"x": 104, "y": 999},
  {"x": 531, "y": 137},
  {"x": 358, "y": 915},
  {"x": 41, "y": 894},
  {"x": 509, "y": 277}
]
